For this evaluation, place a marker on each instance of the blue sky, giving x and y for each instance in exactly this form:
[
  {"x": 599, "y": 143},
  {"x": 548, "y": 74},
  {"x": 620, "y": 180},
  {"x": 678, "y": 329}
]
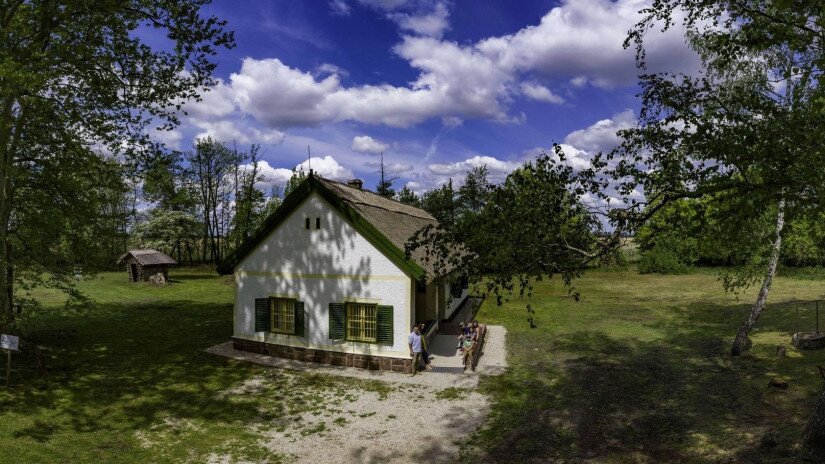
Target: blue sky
[{"x": 439, "y": 86}]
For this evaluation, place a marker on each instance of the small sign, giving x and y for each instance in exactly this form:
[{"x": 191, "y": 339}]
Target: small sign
[{"x": 9, "y": 342}]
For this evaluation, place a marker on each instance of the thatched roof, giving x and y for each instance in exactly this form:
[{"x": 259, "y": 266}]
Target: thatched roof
[
  {"x": 388, "y": 224},
  {"x": 148, "y": 257}
]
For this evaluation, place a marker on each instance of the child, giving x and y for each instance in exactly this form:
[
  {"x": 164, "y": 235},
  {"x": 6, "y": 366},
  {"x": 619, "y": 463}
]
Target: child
[{"x": 465, "y": 332}]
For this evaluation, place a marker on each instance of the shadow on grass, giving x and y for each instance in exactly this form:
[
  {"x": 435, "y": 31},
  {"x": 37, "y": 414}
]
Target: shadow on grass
[
  {"x": 125, "y": 367},
  {"x": 587, "y": 395}
]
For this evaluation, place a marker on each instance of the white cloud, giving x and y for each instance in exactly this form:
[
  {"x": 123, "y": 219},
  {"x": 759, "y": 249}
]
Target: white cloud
[
  {"x": 170, "y": 138},
  {"x": 497, "y": 168},
  {"x": 431, "y": 25},
  {"x": 227, "y": 131},
  {"x": 326, "y": 167},
  {"x": 582, "y": 39},
  {"x": 217, "y": 101},
  {"x": 272, "y": 176},
  {"x": 577, "y": 43},
  {"x": 601, "y": 136},
  {"x": 540, "y": 93},
  {"x": 367, "y": 144}
]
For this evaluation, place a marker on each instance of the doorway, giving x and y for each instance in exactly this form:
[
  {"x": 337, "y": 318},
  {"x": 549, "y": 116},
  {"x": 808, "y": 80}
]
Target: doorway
[{"x": 134, "y": 273}]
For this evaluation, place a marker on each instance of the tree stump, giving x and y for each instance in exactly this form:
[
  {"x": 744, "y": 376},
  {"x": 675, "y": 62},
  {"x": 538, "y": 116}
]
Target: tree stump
[{"x": 809, "y": 340}]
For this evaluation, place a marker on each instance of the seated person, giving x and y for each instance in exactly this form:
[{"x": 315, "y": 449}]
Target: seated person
[
  {"x": 465, "y": 332},
  {"x": 475, "y": 330}
]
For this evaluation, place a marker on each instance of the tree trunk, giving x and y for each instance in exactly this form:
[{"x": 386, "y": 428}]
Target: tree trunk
[
  {"x": 813, "y": 438},
  {"x": 742, "y": 342}
]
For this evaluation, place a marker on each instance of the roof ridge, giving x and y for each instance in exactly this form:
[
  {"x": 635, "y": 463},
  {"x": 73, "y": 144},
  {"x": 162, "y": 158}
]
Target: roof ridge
[{"x": 425, "y": 215}]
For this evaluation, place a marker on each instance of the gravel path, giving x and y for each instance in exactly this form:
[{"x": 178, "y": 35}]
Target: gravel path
[{"x": 422, "y": 419}]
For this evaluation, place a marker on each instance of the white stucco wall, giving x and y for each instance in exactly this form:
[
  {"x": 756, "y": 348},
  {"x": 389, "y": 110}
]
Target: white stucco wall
[{"x": 333, "y": 264}]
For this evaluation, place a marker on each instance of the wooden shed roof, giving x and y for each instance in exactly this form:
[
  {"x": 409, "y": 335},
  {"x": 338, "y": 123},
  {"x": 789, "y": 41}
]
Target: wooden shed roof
[{"x": 148, "y": 257}]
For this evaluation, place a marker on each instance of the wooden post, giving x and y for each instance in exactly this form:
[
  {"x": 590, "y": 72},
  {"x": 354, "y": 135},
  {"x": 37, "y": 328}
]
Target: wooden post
[{"x": 8, "y": 367}]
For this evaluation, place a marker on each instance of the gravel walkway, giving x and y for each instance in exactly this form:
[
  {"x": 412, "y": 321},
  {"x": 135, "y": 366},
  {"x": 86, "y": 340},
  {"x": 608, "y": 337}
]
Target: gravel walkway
[{"x": 424, "y": 418}]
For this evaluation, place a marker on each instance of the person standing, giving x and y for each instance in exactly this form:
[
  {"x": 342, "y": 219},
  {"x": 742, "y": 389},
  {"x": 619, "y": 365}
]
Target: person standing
[
  {"x": 424, "y": 353},
  {"x": 414, "y": 341}
]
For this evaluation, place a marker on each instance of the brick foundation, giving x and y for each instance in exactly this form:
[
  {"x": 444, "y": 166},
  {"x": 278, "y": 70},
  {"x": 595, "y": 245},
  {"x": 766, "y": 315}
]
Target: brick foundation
[{"x": 335, "y": 358}]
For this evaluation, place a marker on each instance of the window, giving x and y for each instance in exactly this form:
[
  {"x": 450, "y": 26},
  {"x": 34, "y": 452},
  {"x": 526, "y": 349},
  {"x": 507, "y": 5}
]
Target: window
[
  {"x": 283, "y": 315},
  {"x": 317, "y": 223},
  {"x": 306, "y": 223},
  {"x": 361, "y": 322}
]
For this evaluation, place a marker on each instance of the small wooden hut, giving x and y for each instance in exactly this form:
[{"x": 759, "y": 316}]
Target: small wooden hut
[{"x": 143, "y": 265}]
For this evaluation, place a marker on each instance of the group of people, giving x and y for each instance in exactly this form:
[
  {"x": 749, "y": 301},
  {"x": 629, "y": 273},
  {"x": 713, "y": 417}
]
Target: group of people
[{"x": 467, "y": 340}]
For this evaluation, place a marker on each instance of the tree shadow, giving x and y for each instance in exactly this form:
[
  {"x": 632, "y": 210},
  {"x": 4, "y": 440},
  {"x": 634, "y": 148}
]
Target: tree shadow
[{"x": 589, "y": 395}]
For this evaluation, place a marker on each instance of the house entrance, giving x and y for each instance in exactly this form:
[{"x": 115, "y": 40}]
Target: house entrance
[{"x": 134, "y": 273}]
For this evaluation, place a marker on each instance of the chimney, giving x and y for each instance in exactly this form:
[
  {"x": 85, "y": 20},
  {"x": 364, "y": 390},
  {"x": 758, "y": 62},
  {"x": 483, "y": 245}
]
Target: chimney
[{"x": 355, "y": 183}]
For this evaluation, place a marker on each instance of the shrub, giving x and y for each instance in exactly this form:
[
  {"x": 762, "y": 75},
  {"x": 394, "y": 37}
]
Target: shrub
[{"x": 661, "y": 260}]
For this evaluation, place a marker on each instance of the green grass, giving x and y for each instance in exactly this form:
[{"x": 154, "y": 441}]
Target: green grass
[
  {"x": 638, "y": 371},
  {"x": 128, "y": 381}
]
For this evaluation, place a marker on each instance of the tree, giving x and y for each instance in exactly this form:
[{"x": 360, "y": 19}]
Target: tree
[
  {"x": 473, "y": 194},
  {"x": 442, "y": 204},
  {"x": 532, "y": 227},
  {"x": 408, "y": 197},
  {"x": 385, "y": 179},
  {"x": 249, "y": 200},
  {"x": 212, "y": 165},
  {"x": 298, "y": 176},
  {"x": 78, "y": 75},
  {"x": 747, "y": 134}
]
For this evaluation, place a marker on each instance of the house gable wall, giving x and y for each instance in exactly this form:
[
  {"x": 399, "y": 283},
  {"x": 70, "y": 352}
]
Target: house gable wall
[{"x": 319, "y": 266}]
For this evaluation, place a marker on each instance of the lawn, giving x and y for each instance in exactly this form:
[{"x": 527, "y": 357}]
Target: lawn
[{"x": 636, "y": 371}]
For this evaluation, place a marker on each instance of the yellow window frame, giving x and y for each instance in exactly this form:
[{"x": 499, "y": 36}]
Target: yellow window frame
[
  {"x": 282, "y": 315},
  {"x": 362, "y": 322}
]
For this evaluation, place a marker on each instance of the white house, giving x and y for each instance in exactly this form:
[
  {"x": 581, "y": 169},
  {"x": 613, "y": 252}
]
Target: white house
[{"x": 326, "y": 279}]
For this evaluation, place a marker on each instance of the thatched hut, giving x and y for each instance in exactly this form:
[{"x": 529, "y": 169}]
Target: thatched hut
[{"x": 143, "y": 265}]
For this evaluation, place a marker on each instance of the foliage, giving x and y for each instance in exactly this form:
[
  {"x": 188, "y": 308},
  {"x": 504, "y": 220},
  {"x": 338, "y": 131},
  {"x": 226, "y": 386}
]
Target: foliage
[
  {"x": 78, "y": 78},
  {"x": 531, "y": 227},
  {"x": 408, "y": 197},
  {"x": 442, "y": 204},
  {"x": 298, "y": 176}
]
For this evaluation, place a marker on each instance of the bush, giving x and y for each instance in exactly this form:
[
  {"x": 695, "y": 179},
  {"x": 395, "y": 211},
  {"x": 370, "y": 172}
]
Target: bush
[{"x": 661, "y": 260}]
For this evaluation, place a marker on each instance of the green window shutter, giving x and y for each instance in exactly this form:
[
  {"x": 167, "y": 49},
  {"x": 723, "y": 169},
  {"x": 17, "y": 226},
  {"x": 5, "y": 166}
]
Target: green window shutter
[
  {"x": 336, "y": 321},
  {"x": 299, "y": 318},
  {"x": 384, "y": 325},
  {"x": 262, "y": 315}
]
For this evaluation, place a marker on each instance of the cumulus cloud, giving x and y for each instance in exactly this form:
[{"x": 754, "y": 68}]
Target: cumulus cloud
[
  {"x": 228, "y": 131},
  {"x": 170, "y": 138},
  {"x": 497, "y": 168},
  {"x": 582, "y": 39},
  {"x": 367, "y": 144},
  {"x": 272, "y": 176},
  {"x": 601, "y": 136},
  {"x": 576, "y": 44},
  {"x": 432, "y": 25},
  {"x": 326, "y": 167},
  {"x": 540, "y": 93}
]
